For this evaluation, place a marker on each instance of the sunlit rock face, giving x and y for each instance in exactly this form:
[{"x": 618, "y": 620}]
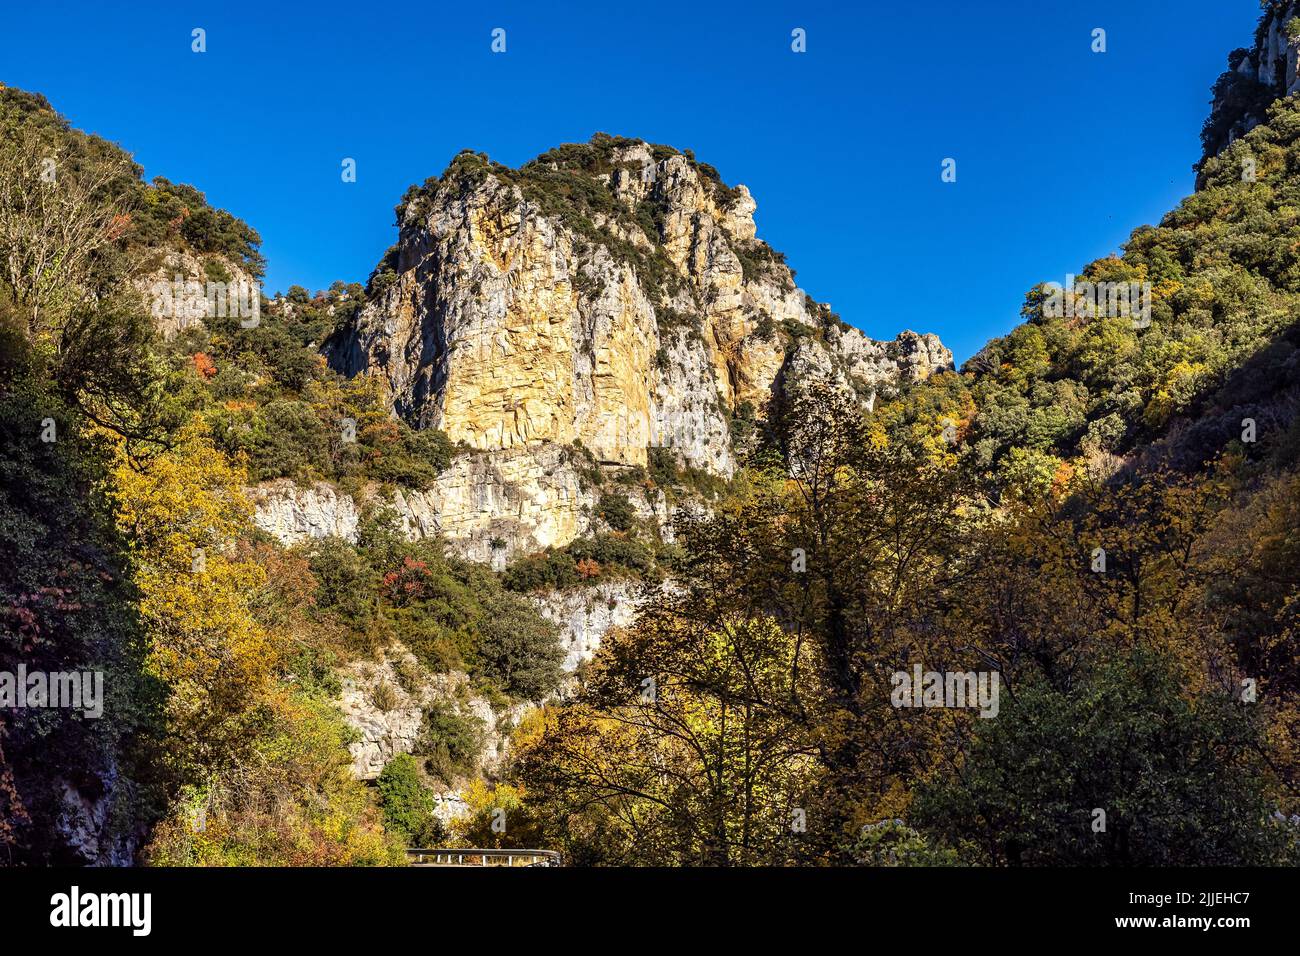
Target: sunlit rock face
[
  {"x": 585, "y": 615},
  {"x": 515, "y": 315},
  {"x": 179, "y": 293},
  {"x": 609, "y": 295},
  {"x": 487, "y": 506},
  {"x": 1257, "y": 75}
]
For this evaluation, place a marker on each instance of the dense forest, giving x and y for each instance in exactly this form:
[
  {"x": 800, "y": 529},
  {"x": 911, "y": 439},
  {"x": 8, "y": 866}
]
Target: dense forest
[{"x": 1101, "y": 512}]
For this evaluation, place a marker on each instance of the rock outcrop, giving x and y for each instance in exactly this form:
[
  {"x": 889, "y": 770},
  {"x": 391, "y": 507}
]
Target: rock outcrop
[
  {"x": 603, "y": 301},
  {"x": 611, "y": 294},
  {"x": 183, "y": 291},
  {"x": 586, "y": 615},
  {"x": 1256, "y": 77},
  {"x": 91, "y": 822},
  {"x": 386, "y": 702},
  {"x": 488, "y": 507}
]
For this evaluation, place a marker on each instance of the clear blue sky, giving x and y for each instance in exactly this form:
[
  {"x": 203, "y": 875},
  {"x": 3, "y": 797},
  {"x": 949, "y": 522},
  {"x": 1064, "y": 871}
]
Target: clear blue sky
[{"x": 1060, "y": 151}]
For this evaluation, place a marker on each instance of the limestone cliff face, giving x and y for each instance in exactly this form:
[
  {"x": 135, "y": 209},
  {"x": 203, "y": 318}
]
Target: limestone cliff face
[
  {"x": 1256, "y": 76},
  {"x": 586, "y": 615},
  {"x": 488, "y": 506},
  {"x": 180, "y": 294},
  {"x": 612, "y": 294},
  {"x": 385, "y": 701},
  {"x": 485, "y": 336}
]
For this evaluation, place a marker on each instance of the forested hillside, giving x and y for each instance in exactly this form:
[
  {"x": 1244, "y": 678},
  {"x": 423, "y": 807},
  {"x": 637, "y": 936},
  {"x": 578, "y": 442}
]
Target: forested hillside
[
  {"x": 704, "y": 529},
  {"x": 960, "y": 526}
]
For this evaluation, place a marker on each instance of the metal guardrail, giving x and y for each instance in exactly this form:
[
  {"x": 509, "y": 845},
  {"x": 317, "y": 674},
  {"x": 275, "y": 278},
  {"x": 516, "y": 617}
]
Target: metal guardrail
[{"x": 481, "y": 857}]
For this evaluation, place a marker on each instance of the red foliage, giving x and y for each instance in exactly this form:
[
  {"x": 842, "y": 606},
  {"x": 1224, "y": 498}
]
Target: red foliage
[
  {"x": 118, "y": 226},
  {"x": 407, "y": 583},
  {"x": 12, "y": 811},
  {"x": 203, "y": 365}
]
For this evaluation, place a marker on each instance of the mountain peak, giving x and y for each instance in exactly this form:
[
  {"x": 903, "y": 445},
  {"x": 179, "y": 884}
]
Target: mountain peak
[{"x": 612, "y": 293}]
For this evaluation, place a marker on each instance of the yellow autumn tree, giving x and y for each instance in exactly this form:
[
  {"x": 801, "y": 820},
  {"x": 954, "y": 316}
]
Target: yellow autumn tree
[
  {"x": 686, "y": 746},
  {"x": 181, "y": 512},
  {"x": 257, "y": 767},
  {"x": 290, "y": 802}
]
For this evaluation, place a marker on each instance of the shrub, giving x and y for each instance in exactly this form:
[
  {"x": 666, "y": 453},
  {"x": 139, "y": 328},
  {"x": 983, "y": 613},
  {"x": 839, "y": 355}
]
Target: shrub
[
  {"x": 416, "y": 460},
  {"x": 285, "y": 440},
  {"x": 384, "y": 696},
  {"x": 407, "y": 803},
  {"x": 345, "y": 582},
  {"x": 617, "y": 511},
  {"x": 518, "y": 649},
  {"x": 409, "y": 675},
  {"x": 449, "y": 742},
  {"x": 558, "y": 569},
  {"x": 610, "y": 551},
  {"x": 539, "y": 572}
]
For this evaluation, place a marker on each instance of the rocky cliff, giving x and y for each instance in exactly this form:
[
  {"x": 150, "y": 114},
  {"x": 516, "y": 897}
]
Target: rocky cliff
[
  {"x": 488, "y": 507},
  {"x": 586, "y": 615},
  {"x": 386, "y": 701},
  {"x": 611, "y": 294},
  {"x": 183, "y": 290},
  {"x": 1256, "y": 76}
]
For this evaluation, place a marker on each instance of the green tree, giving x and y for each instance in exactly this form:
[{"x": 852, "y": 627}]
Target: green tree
[
  {"x": 518, "y": 650},
  {"x": 407, "y": 803},
  {"x": 1178, "y": 779}
]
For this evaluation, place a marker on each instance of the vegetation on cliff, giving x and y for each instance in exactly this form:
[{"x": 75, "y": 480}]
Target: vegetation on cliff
[
  {"x": 960, "y": 527},
  {"x": 1099, "y": 512}
]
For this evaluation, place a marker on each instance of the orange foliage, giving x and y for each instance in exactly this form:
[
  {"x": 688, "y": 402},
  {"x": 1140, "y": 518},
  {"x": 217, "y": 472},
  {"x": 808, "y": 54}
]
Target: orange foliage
[
  {"x": 118, "y": 226},
  {"x": 203, "y": 365}
]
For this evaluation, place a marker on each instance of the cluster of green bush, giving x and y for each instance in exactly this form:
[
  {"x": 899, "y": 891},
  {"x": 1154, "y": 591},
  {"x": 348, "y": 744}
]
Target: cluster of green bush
[
  {"x": 667, "y": 472},
  {"x": 583, "y": 561},
  {"x": 450, "y": 742},
  {"x": 408, "y": 803},
  {"x": 450, "y": 613},
  {"x": 169, "y": 211},
  {"x": 270, "y": 396},
  {"x": 305, "y": 439},
  {"x": 616, "y": 511},
  {"x": 758, "y": 260}
]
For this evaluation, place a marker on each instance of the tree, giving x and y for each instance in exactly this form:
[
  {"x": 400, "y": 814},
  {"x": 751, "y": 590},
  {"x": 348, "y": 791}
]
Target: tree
[
  {"x": 686, "y": 746},
  {"x": 55, "y": 217},
  {"x": 1121, "y": 769},
  {"x": 291, "y": 800},
  {"x": 617, "y": 511},
  {"x": 407, "y": 803},
  {"x": 518, "y": 650},
  {"x": 66, "y": 605},
  {"x": 496, "y": 816},
  {"x": 180, "y": 512}
]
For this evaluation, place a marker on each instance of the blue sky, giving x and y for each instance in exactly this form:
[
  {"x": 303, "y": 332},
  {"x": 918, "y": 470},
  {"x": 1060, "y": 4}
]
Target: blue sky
[{"x": 1060, "y": 151}]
